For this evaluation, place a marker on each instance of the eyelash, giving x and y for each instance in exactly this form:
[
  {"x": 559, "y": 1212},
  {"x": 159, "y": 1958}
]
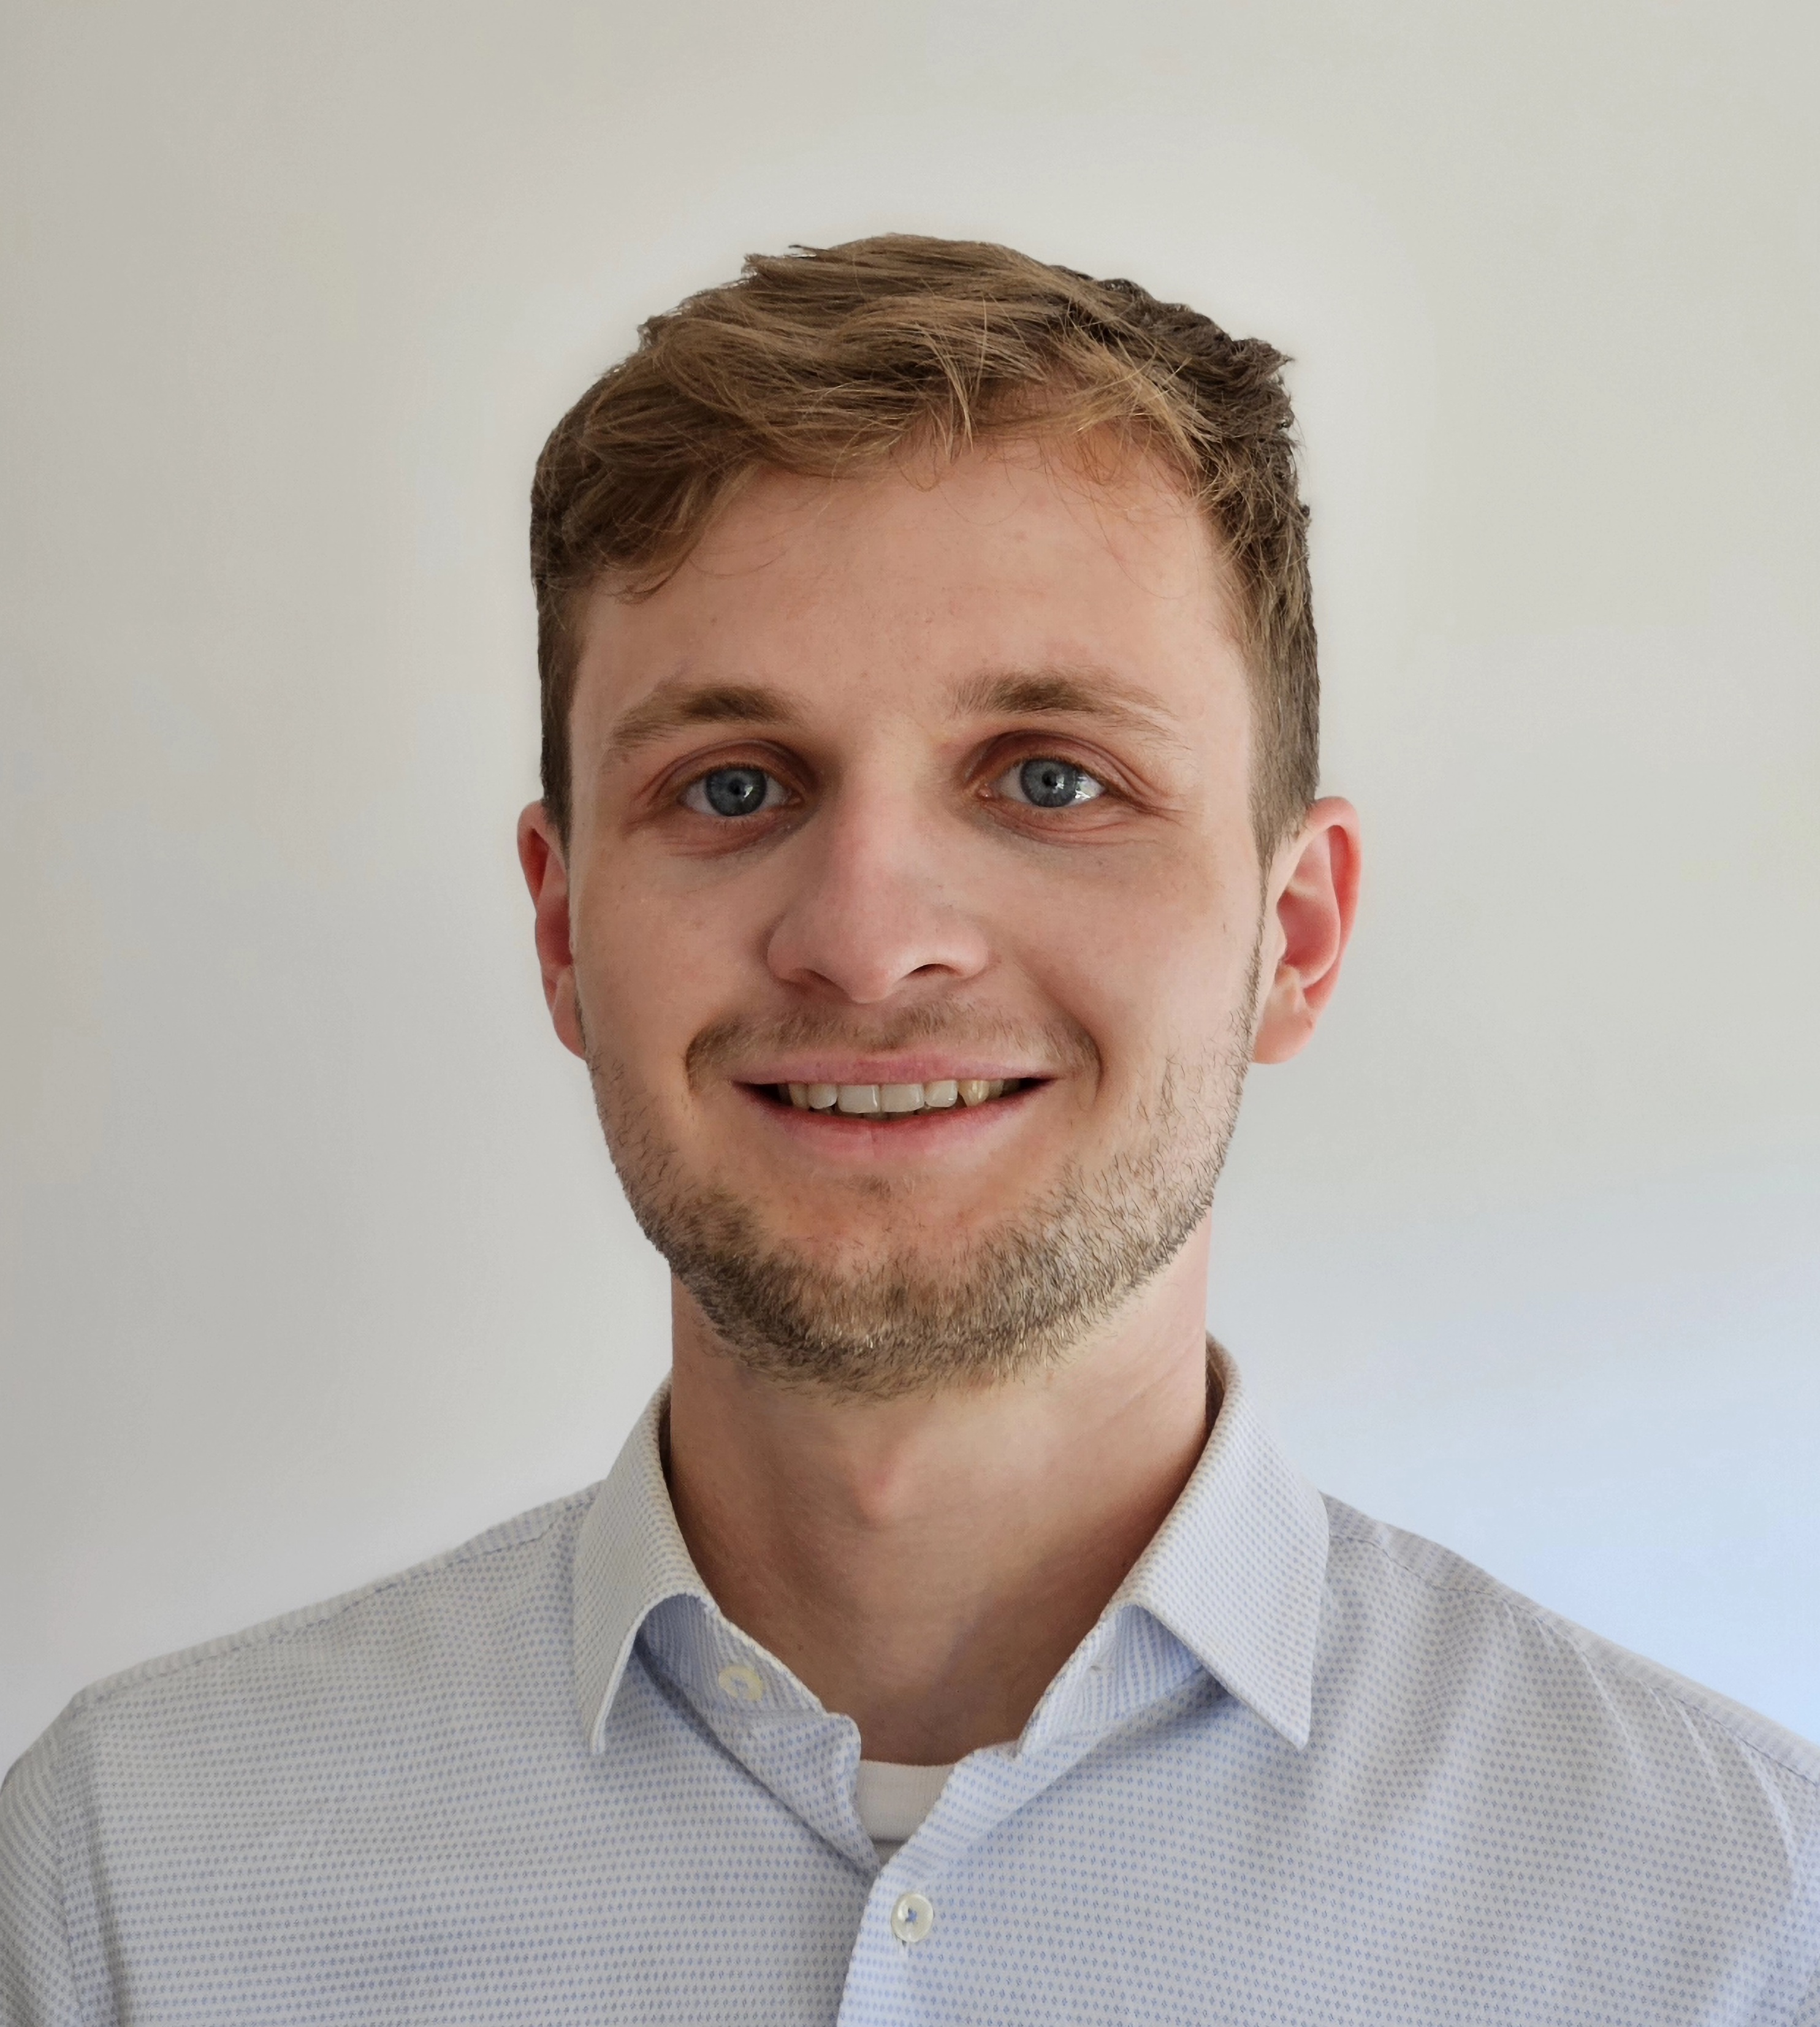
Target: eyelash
[
  {"x": 1103, "y": 785},
  {"x": 733, "y": 767},
  {"x": 1016, "y": 767}
]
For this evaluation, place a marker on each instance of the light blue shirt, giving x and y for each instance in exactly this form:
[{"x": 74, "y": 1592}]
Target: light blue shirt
[{"x": 1305, "y": 1768}]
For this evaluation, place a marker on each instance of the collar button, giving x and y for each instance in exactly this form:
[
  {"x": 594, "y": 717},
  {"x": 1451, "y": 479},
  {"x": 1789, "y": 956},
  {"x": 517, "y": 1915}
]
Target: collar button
[{"x": 743, "y": 1684}]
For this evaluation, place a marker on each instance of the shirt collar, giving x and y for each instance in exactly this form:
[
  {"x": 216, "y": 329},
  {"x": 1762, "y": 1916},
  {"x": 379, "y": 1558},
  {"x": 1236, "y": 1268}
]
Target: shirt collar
[
  {"x": 629, "y": 1558},
  {"x": 1238, "y": 1572},
  {"x": 1235, "y": 1574}
]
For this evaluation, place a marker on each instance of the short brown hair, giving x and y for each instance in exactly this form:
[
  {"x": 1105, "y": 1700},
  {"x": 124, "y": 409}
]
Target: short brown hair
[{"x": 828, "y": 361}]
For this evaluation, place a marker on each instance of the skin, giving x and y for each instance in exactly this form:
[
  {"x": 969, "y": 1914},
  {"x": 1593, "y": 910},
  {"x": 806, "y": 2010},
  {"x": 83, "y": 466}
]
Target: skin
[{"x": 925, "y": 1563}]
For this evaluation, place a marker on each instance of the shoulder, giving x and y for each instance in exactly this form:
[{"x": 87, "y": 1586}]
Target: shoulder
[
  {"x": 1523, "y": 1740},
  {"x": 347, "y": 1725},
  {"x": 1484, "y": 1743},
  {"x": 405, "y": 1642},
  {"x": 1461, "y": 1626}
]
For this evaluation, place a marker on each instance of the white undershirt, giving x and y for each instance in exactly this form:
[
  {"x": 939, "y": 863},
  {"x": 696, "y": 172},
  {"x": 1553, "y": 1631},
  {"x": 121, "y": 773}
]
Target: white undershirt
[{"x": 892, "y": 1801}]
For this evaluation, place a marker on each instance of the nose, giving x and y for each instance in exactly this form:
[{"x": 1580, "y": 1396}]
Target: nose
[{"x": 874, "y": 904}]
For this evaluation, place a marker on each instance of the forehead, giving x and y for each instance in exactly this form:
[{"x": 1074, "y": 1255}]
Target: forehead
[{"x": 903, "y": 589}]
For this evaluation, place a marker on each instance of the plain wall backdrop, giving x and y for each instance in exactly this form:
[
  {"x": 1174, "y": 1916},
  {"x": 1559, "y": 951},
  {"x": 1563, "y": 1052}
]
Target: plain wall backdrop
[{"x": 313, "y": 1264}]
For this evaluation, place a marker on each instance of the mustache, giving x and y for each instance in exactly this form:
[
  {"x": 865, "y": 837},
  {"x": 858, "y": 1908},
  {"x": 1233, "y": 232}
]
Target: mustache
[{"x": 724, "y": 1046}]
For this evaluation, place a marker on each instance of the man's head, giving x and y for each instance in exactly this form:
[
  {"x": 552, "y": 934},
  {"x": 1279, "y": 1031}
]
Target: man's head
[
  {"x": 929, "y": 701},
  {"x": 832, "y": 363}
]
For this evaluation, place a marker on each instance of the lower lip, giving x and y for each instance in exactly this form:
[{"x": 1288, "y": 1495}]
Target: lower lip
[{"x": 868, "y": 1135}]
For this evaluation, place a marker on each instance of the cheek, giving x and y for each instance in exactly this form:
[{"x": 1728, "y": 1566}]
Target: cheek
[
  {"x": 1152, "y": 960},
  {"x": 654, "y": 967}
]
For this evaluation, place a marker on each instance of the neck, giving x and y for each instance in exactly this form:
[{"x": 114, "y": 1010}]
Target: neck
[{"x": 926, "y": 1565}]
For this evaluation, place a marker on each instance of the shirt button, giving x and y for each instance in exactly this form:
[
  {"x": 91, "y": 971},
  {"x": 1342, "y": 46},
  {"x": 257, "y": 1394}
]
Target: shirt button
[
  {"x": 912, "y": 1918},
  {"x": 743, "y": 1684}
]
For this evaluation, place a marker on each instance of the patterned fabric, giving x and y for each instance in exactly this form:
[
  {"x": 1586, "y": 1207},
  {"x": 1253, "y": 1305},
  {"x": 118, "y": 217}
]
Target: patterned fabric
[{"x": 1305, "y": 1769}]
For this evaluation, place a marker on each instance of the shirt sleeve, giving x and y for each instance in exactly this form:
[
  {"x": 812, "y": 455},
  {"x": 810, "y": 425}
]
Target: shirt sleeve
[{"x": 37, "y": 1977}]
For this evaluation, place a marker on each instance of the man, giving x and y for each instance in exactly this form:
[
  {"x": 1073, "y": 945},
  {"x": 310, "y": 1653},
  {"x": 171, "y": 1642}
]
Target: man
[{"x": 929, "y": 841}]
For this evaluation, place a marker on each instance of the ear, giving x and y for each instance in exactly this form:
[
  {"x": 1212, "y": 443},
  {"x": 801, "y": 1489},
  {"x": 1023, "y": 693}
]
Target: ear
[
  {"x": 547, "y": 875},
  {"x": 1310, "y": 905}
]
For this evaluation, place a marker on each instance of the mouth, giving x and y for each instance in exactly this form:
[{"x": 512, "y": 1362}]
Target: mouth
[{"x": 880, "y": 1103}]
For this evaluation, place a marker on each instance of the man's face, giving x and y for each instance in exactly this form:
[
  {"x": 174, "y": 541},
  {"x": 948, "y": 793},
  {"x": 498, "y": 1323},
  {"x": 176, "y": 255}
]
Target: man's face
[{"x": 917, "y": 788}]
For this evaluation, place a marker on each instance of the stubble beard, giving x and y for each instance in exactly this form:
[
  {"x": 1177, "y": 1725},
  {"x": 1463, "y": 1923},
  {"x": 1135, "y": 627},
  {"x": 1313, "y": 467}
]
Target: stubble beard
[{"x": 1016, "y": 1296}]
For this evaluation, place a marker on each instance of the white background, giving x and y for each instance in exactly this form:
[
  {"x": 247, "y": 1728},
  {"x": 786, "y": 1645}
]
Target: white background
[{"x": 312, "y": 1265}]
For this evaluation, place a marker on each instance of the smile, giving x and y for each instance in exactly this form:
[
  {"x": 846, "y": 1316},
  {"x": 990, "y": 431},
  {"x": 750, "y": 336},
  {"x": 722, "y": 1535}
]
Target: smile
[{"x": 896, "y": 1101}]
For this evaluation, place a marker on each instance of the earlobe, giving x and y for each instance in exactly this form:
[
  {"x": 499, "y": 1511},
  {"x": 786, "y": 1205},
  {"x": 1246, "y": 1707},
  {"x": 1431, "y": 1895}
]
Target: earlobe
[
  {"x": 1313, "y": 904},
  {"x": 541, "y": 855}
]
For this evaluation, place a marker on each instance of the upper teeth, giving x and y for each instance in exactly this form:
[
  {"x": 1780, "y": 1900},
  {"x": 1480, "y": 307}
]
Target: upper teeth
[{"x": 897, "y": 1097}]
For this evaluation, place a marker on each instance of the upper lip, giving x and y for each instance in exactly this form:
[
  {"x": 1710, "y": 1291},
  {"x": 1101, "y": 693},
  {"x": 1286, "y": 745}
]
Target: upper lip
[{"x": 927, "y": 1068}]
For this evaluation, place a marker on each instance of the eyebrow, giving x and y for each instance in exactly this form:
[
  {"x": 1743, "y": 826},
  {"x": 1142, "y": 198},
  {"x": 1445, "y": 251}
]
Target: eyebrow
[
  {"x": 1094, "y": 693},
  {"x": 675, "y": 705},
  {"x": 1089, "y": 693}
]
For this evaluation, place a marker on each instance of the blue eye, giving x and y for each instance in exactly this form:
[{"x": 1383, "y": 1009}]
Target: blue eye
[
  {"x": 1051, "y": 784},
  {"x": 733, "y": 792}
]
